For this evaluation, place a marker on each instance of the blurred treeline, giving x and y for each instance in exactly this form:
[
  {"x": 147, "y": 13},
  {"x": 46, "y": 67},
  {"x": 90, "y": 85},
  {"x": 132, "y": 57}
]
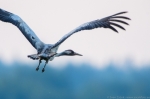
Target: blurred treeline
[{"x": 21, "y": 81}]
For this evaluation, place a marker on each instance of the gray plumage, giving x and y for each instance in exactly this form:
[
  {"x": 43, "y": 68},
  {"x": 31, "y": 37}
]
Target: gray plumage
[
  {"x": 47, "y": 52},
  {"x": 104, "y": 22},
  {"x": 23, "y": 27}
]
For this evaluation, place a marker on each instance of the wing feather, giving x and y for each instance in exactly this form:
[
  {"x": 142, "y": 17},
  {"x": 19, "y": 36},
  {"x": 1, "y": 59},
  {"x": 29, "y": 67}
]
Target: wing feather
[
  {"x": 119, "y": 21},
  {"x": 104, "y": 22},
  {"x": 119, "y": 26},
  {"x": 122, "y": 17},
  {"x": 6, "y": 16}
]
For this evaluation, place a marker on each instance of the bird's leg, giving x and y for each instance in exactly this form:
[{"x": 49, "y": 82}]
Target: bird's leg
[
  {"x": 38, "y": 65},
  {"x": 44, "y": 66}
]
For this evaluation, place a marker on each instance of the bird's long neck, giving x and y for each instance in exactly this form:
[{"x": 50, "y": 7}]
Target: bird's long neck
[
  {"x": 58, "y": 54},
  {"x": 61, "y": 54}
]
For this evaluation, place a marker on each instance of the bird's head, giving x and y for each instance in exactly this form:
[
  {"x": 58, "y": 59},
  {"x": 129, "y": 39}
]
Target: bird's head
[{"x": 69, "y": 53}]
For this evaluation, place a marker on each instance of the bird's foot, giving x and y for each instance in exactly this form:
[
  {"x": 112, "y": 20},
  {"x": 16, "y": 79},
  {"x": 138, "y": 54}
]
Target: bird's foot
[
  {"x": 43, "y": 70},
  {"x": 37, "y": 68}
]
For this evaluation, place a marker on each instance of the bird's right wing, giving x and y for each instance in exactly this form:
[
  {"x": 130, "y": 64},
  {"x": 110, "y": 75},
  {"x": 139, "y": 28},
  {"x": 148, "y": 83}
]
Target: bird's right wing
[
  {"x": 107, "y": 22},
  {"x": 6, "y": 16}
]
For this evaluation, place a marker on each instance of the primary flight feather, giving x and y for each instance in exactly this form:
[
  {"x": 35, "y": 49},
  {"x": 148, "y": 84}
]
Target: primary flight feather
[{"x": 47, "y": 52}]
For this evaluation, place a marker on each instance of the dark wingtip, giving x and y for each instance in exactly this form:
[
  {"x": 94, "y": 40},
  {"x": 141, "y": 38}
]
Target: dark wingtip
[
  {"x": 120, "y": 21},
  {"x": 123, "y": 12},
  {"x": 128, "y": 18},
  {"x": 112, "y": 28},
  {"x": 4, "y": 13},
  {"x": 117, "y": 25},
  {"x": 123, "y": 17},
  {"x": 116, "y": 31},
  {"x": 120, "y": 13}
]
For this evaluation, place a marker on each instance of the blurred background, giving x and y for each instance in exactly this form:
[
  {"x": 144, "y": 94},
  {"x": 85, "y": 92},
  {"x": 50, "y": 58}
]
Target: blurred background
[
  {"x": 21, "y": 81},
  {"x": 113, "y": 66}
]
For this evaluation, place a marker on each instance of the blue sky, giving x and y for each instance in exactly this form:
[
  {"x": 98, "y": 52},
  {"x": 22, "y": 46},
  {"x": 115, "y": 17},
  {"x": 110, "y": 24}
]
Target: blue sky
[{"x": 50, "y": 20}]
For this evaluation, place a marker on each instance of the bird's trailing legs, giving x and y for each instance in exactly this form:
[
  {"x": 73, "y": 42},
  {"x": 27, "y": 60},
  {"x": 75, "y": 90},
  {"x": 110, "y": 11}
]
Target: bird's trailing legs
[
  {"x": 44, "y": 66},
  {"x": 38, "y": 65}
]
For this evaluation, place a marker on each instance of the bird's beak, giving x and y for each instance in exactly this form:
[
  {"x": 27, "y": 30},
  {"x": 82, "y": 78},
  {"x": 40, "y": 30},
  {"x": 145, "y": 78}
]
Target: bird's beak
[{"x": 77, "y": 54}]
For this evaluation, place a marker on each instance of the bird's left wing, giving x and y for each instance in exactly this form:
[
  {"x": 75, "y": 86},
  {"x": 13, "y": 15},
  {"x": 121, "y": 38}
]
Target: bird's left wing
[
  {"x": 107, "y": 22},
  {"x": 6, "y": 16}
]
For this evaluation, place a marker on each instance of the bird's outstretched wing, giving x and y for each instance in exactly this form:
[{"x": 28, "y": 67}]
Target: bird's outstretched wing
[
  {"x": 106, "y": 22},
  {"x": 6, "y": 16}
]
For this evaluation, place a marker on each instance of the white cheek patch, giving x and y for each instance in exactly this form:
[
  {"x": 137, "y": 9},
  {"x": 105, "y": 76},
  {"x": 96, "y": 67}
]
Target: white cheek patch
[{"x": 68, "y": 52}]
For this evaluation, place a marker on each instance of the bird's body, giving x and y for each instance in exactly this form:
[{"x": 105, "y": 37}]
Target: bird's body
[{"x": 48, "y": 52}]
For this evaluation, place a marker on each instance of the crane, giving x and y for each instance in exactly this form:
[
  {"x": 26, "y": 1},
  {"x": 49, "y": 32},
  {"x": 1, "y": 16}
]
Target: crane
[{"x": 48, "y": 52}]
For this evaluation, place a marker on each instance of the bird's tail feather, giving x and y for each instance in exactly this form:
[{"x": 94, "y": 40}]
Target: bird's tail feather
[{"x": 33, "y": 56}]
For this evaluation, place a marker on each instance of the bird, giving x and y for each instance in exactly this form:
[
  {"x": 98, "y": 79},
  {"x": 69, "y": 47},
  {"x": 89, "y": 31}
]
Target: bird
[{"x": 48, "y": 52}]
